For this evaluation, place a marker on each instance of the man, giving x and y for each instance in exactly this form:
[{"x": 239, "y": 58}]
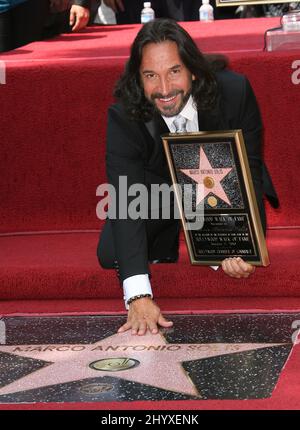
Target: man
[{"x": 167, "y": 78}]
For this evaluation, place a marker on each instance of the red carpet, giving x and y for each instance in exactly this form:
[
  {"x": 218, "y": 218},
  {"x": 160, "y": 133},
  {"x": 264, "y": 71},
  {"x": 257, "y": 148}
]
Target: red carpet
[
  {"x": 114, "y": 41},
  {"x": 54, "y": 162},
  {"x": 65, "y": 266},
  {"x": 285, "y": 395},
  {"x": 171, "y": 305}
]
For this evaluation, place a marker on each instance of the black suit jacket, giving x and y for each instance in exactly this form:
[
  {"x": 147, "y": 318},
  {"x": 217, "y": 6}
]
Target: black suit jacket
[{"x": 135, "y": 150}]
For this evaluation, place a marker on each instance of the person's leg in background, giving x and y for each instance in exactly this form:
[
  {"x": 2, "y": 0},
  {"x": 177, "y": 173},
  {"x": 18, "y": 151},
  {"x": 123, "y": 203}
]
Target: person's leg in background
[
  {"x": 228, "y": 12},
  {"x": 131, "y": 13},
  {"x": 57, "y": 23},
  {"x": 6, "y": 41},
  {"x": 95, "y": 4},
  {"x": 22, "y": 24},
  {"x": 28, "y": 20},
  {"x": 57, "y": 20},
  {"x": 175, "y": 9},
  {"x": 191, "y": 9}
]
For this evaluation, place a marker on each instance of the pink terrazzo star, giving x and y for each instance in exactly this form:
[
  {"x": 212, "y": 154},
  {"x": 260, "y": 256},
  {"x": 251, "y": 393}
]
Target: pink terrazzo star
[{"x": 160, "y": 363}]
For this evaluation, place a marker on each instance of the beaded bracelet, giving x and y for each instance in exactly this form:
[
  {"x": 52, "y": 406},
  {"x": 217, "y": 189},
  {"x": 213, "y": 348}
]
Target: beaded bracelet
[{"x": 140, "y": 296}]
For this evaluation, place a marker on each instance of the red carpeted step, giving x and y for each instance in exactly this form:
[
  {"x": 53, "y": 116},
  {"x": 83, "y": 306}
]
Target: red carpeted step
[
  {"x": 114, "y": 41},
  {"x": 43, "y": 266}
]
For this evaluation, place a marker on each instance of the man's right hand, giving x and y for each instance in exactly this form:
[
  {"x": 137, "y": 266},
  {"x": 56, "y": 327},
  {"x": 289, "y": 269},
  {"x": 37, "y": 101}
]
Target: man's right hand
[
  {"x": 144, "y": 315},
  {"x": 115, "y": 5}
]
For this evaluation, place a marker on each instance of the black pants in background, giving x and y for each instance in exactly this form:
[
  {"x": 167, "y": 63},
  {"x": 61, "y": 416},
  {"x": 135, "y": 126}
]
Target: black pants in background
[
  {"x": 180, "y": 10},
  {"x": 30, "y": 21},
  {"x": 23, "y": 24}
]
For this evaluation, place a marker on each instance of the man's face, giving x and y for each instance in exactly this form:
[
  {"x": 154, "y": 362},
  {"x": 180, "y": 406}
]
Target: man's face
[{"x": 166, "y": 81}]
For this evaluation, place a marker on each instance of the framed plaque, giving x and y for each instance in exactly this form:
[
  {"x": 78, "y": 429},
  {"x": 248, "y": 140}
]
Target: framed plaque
[
  {"x": 220, "y": 3},
  {"x": 215, "y": 197}
]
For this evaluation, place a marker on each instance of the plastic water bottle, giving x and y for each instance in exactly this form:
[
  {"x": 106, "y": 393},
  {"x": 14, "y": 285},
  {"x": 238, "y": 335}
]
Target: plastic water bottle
[
  {"x": 206, "y": 12},
  {"x": 148, "y": 13}
]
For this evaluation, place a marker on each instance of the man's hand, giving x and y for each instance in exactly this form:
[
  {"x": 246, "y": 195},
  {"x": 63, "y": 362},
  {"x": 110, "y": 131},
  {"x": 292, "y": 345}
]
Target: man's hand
[
  {"x": 236, "y": 267},
  {"x": 79, "y": 17},
  {"x": 144, "y": 315},
  {"x": 115, "y": 5}
]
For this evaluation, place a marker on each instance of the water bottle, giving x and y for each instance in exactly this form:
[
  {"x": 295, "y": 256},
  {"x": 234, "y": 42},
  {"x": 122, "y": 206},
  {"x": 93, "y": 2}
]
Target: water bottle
[
  {"x": 206, "y": 12},
  {"x": 148, "y": 13}
]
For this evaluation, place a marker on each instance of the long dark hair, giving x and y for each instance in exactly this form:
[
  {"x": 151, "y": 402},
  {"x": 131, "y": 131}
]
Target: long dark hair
[{"x": 129, "y": 89}]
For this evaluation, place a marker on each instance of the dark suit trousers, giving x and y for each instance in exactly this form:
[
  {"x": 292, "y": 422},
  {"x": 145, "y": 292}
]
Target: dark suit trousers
[{"x": 162, "y": 236}]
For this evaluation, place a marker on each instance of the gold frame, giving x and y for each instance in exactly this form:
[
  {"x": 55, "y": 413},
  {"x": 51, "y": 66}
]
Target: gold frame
[
  {"x": 237, "y": 136},
  {"x": 220, "y": 3}
]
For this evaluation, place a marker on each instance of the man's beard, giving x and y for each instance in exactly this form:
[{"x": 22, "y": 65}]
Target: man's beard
[{"x": 168, "y": 112}]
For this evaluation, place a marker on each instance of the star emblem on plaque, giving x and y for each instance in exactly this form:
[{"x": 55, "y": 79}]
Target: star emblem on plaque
[
  {"x": 210, "y": 178},
  {"x": 210, "y": 171}
]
